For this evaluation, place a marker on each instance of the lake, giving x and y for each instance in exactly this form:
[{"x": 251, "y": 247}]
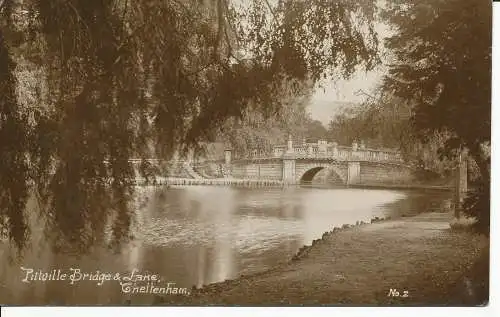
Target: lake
[{"x": 199, "y": 235}]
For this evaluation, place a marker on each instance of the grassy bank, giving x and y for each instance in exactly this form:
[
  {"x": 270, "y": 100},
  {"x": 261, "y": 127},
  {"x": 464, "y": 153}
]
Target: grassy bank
[{"x": 418, "y": 256}]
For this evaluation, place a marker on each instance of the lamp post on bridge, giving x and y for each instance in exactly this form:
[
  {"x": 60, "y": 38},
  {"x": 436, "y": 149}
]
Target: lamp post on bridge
[{"x": 461, "y": 182}]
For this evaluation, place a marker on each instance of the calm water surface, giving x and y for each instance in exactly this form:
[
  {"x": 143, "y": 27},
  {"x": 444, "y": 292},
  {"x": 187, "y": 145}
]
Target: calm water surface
[{"x": 200, "y": 235}]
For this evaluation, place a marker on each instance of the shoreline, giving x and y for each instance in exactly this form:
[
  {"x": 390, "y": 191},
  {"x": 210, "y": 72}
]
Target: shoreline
[
  {"x": 266, "y": 183},
  {"x": 403, "y": 187},
  {"x": 327, "y": 273}
]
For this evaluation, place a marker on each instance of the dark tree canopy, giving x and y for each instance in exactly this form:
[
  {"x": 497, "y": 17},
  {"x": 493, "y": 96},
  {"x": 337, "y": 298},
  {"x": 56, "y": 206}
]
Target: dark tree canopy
[
  {"x": 380, "y": 123},
  {"x": 258, "y": 130},
  {"x": 385, "y": 121},
  {"x": 107, "y": 78},
  {"x": 13, "y": 138},
  {"x": 316, "y": 131},
  {"x": 442, "y": 66}
]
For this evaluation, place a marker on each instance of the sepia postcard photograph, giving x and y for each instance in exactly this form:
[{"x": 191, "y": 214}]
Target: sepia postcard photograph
[{"x": 245, "y": 152}]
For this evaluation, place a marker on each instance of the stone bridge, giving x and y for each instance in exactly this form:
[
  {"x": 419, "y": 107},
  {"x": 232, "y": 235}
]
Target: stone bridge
[
  {"x": 299, "y": 164},
  {"x": 296, "y": 164}
]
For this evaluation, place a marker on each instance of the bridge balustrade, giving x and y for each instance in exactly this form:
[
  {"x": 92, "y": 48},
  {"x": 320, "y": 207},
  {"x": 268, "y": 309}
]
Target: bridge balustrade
[
  {"x": 332, "y": 151},
  {"x": 311, "y": 151},
  {"x": 278, "y": 151},
  {"x": 300, "y": 150}
]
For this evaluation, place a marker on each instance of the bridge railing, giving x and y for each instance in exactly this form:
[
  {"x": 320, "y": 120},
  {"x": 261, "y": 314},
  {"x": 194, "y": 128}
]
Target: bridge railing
[
  {"x": 314, "y": 150},
  {"x": 309, "y": 150}
]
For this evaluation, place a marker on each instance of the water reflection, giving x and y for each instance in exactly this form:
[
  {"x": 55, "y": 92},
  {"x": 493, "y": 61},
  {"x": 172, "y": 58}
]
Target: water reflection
[{"x": 200, "y": 235}]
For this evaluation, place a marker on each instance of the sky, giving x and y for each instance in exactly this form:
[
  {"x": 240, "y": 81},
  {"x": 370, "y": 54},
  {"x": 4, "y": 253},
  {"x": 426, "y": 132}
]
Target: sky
[{"x": 325, "y": 101}]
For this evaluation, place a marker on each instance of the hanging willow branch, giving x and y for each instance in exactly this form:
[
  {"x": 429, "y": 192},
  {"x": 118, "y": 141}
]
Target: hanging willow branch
[
  {"x": 122, "y": 75},
  {"x": 13, "y": 140}
]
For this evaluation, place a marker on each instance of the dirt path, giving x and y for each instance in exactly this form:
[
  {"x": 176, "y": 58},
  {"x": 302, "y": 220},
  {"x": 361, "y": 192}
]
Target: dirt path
[{"x": 360, "y": 265}]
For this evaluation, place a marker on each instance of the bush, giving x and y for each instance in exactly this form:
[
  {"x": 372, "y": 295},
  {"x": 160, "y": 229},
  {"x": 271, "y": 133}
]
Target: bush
[
  {"x": 477, "y": 205},
  {"x": 464, "y": 223}
]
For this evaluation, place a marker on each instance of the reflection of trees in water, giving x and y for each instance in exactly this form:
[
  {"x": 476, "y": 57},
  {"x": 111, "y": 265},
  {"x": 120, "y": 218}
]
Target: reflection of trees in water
[
  {"x": 291, "y": 211},
  {"x": 211, "y": 251},
  {"x": 202, "y": 257},
  {"x": 221, "y": 207},
  {"x": 418, "y": 202},
  {"x": 282, "y": 204}
]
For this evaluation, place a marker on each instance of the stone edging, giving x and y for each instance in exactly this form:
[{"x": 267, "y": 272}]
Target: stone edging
[{"x": 307, "y": 248}]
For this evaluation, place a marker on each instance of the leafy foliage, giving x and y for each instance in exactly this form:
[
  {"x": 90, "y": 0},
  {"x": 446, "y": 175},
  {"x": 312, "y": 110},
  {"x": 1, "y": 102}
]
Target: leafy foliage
[
  {"x": 108, "y": 78},
  {"x": 443, "y": 65},
  {"x": 477, "y": 205},
  {"x": 385, "y": 121},
  {"x": 13, "y": 137},
  {"x": 259, "y": 130}
]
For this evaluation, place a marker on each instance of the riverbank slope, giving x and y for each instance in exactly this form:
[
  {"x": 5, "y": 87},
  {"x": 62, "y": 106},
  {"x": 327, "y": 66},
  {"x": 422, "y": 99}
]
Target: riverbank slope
[{"x": 419, "y": 256}]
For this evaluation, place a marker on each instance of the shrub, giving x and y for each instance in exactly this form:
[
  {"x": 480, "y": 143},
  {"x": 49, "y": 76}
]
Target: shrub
[
  {"x": 464, "y": 223},
  {"x": 477, "y": 205}
]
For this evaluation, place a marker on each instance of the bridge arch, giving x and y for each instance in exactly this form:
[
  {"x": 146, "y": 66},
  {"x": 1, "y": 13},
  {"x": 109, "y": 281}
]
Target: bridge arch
[{"x": 308, "y": 175}]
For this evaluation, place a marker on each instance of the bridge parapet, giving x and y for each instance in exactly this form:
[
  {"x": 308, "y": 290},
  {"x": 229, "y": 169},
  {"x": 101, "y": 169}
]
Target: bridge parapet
[
  {"x": 304, "y": 151},
  {"x": 331, "y": 150}
]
